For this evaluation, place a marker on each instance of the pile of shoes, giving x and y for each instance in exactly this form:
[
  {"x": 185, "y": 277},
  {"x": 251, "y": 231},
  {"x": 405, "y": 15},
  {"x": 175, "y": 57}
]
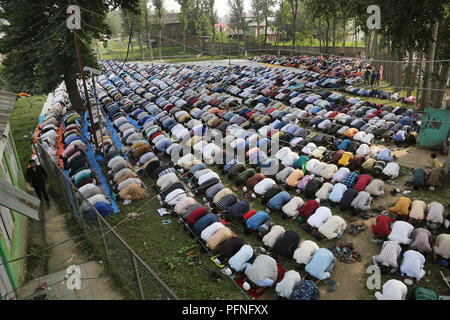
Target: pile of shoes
[
  {"x": 345, "y": 252},
  {"x": 355, "y": 229}
]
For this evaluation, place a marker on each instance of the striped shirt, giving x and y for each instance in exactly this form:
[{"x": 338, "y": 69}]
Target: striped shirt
[{"x": 389, "y": 254}]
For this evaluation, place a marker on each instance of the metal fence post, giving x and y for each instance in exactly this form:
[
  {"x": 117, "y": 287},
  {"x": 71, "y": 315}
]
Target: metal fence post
[
  {"x": 103, "y": 238},
  {"x": 138, "y": 278}
]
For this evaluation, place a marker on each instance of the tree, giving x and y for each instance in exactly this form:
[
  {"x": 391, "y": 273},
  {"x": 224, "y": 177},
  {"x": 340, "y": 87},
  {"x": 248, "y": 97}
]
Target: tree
[
  {"x": 183, "y": 17},
  {"x": 137, "y": 19},
  {"x": 40, "y": 51},
  {"x": 237, "y": 17},
  {"x": 267, "y": 6},
  {"x": 256, "y": 11},
  {"x": 159, "y": 14},
  {"x": 113, "y": 21},
  {"x": 294, "y": 9},
  {"x": 148, "y": 29},
  {"x": 212, "y": 15}
]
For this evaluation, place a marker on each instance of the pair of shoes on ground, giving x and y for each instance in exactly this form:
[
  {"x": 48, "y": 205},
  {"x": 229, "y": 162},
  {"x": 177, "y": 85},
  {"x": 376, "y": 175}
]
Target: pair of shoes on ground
[{"x": 332, "y": 285}]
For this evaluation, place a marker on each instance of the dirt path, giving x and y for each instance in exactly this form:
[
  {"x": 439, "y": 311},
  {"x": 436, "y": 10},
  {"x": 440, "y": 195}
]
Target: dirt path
[{"x": 51, "y": 230}]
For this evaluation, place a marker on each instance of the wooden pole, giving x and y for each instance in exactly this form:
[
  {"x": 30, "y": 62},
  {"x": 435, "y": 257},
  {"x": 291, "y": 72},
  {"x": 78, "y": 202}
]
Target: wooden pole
[{"x": 88, "y": 103}]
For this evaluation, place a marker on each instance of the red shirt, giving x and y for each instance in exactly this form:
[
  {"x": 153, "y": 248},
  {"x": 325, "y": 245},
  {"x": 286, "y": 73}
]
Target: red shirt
[
  {"x": 155, "y": 135},
  {"x": 381, "y": 228},
  {"x": 249, "y": 214},
  {"x": 362, "y": 183},
  {"x": 195, "y": 215},
  {"x": 308, "y": 209}
]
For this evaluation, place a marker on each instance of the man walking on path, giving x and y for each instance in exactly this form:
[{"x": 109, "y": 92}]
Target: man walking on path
[{"x": 37, "y": 178}]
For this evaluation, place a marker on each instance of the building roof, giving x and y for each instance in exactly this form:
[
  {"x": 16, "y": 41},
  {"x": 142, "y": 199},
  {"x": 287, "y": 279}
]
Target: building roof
[
  {"x": 6, "y": 105},
  {"x": 221, "y": 24},
  {"x": 18, "y": 200}
]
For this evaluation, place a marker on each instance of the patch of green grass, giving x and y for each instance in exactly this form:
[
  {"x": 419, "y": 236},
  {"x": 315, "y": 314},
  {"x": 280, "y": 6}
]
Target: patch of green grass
[
  {"x": 119, "y": 52},
  {"x": 24, "y": 119}
]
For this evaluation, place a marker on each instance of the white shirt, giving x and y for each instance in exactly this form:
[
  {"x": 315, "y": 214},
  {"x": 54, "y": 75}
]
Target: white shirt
[
  {"x": 207, "y": 176},
  {"x": 290, "y": 280},
  {"x": 173, "y": 197},
  {"x": 341, "y": 174},
  {"x": 291, "y": 208},
  {"x": 412, "y": 264},
  {"x": 321, "y": 215},
  {"x": 183, "y": 204},
  {"x": 305, "y": 252},
  {"x": 392, "y": 290},
  {"x": 166, "y": 180},
  {"x": 210, "y": 230},
  {"x": 323, "y": 192},
  {"x": 275, "y": 233},
  {"x": 435, "y": 212},
  {"x": 264, "y": 185},
  {"x": 331, "y": 228},
  {"x": 392, "y": 169},
  {"x": 329, "y": 171},
  {"x": 362, "y": 150},
  {"x": 401, "y": 232}
]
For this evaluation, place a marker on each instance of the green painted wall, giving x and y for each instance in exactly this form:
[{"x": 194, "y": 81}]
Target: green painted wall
[{"x": 16, "y": 269}]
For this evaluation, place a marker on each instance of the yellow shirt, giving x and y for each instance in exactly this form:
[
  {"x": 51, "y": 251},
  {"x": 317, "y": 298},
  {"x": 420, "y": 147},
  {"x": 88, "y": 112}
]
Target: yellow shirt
[
  {"x": 345, "y": 159},
  {"x": 402, "y": 206}
]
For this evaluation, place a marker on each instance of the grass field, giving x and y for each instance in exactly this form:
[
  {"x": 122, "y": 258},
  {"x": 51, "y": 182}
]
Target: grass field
[{"x": 24, "y": 119}]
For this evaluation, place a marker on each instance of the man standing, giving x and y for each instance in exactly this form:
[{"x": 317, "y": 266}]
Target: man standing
[{"x": 36, "y": 176}]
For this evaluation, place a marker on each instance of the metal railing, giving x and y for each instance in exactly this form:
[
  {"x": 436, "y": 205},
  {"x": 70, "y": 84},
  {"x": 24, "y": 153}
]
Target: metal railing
[{"x": 134, "y": 277}]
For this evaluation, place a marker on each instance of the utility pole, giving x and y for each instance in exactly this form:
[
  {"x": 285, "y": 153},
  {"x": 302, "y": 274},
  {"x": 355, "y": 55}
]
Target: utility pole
[{"x": 88, "y": 103}]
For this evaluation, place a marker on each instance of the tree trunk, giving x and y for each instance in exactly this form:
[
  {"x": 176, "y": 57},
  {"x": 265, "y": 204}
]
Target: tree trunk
[
  {"x": 441, "y": 85},
  {"x": 265, "y": 31},
  {"x": 221, "y": 35},
  {"x": 132, "y": 47},
  {"x": 160, "y": 44},
  {"x": 334, "y": 33},
  {"x": 344, "y": 34},
  {"x": 427, "y": 84},
  {"x": 327, "y": 35},
  {"x": 419, "y": 79},
  {"x": 213, "y": 41},
  {"x": 409, "y": 74},
  {"x": 148, "y": 31},
  {"x": 356, "y": 41},
  {"x": 141, "y": 47},
  {"x": 293, "y": 31},
  {"x": 72, "y": 91}
]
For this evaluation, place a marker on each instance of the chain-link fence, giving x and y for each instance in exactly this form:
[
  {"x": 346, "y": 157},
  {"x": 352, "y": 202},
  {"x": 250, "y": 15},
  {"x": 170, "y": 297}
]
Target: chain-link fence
[{"x": 136, "y": 279}]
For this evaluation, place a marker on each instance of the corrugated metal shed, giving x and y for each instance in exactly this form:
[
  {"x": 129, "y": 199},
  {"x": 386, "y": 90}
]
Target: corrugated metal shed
[
  {"x": 434, "y": 128},
  {"x": 18, "y": 200},
  {"x": 6, "y": 105}
]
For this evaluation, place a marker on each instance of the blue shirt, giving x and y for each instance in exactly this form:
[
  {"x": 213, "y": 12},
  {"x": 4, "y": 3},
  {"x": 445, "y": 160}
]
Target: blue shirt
[
  {"x": 197, "y": 167},
  {"x": 205, "y": 222},
  {"x": 279, "y": 200},
  {"x": 385, "y": 154},
  {"x": 238, "y": 209},
  {"x": 103, "y": 208},
  {"x": 320, "y": 262},
  {"x": 344, "y": 144},
  {"x": 257, "y": 219},
  {"x": 239, "y": 262},
  {"x": 337, "y": 192}
]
